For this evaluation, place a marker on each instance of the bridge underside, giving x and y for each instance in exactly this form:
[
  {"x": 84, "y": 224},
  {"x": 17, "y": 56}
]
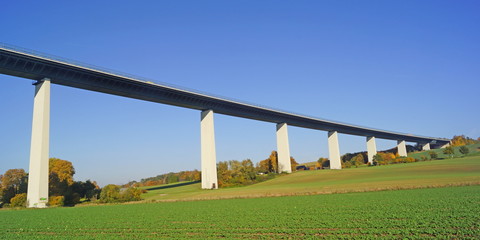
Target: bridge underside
[
  {"x": 48, "y": 70},
  {"x": 37, "y": 68}
]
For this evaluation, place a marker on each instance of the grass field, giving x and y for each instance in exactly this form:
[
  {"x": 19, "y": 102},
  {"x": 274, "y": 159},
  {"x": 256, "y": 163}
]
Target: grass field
[
  {"x": 436, "y": 213},
  {"x": 363, "y": 210},
  {"x": 446, "y": 172}
]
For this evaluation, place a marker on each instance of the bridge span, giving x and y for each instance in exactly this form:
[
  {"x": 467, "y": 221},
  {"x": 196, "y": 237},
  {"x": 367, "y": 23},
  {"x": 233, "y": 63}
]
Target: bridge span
[{"x": 46, "y": 69}]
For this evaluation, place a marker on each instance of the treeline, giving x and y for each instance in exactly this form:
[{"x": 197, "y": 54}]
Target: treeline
[
  {"x": 63, "y": 190},
  {"x": 167, "y": 178},
  {"x": 391, "y": 156},
  {"x": 239, "y": 173},
  {"x": 462, "y": 140}
]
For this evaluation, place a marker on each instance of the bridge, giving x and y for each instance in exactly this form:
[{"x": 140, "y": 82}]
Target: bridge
[{"x": 46, "y": 69}]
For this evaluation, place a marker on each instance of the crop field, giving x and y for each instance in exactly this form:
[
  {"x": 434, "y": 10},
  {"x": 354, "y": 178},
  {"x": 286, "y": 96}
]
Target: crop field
[
  {"x": 438, "y": 173},
  {"x": 435, "y": 213}
]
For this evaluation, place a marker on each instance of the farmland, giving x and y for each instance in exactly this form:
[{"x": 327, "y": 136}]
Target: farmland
[
  {"x": 419, "y": 214},
  {"x": 438, "y": 173}
]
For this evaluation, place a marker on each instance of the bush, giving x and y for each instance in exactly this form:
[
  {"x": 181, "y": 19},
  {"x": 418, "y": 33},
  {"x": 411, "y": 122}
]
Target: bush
[
  {"x": 110, "y": 194},
  {"x": 20, "y": 200},
  {"x": 56, "y": 201},
  {"x": 464, "y": 150},
  {"x": 131, "y": 194},
  {"x": 433, "y": 155}
]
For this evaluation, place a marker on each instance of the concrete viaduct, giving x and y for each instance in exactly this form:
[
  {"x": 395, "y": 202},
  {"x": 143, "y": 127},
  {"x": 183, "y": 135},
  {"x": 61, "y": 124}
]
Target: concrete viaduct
[{"x": 46, "y": 70}]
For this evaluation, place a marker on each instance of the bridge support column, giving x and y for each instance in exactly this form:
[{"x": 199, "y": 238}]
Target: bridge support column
[
  {"x": 37, "y": 192},
  {"x": 209, "y": 157},
  {"x": 426, "y": 147},
  {"x": 402, "y": 148},
  {"x": 371, "y": 148},
  {"x": 283, "y": 149},
  {"x": 334, "y": 150},
  {"x": 446, "y": 145}
]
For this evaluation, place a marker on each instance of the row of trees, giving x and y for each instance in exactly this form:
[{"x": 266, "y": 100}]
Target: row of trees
[
  {"x": 239, "y": 173},
  {"x": 462, "y": 140},
  {"x": 63, "y": 190},
  {"x": 167, "y": 178}
]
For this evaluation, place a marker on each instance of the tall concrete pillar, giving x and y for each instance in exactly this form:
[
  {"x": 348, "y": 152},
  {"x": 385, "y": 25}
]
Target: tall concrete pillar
[
  {"x": 334, "y": 150},
  {"x": 371, "y": 148},
  {"x": 283, "y": 149},
  {"x": 37, "y": 192},
  {"x": 209, "y": 156},
  {"x": 402, "y": 148},
  {"x": 426, "y": 147}
]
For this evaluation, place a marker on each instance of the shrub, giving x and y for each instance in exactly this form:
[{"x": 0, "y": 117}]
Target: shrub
[
  {"x": 20, "y": 200},
  {"x": 56, "y": 201},
  {"x": 433, "y": 155},
  {"x": 409, "y": 160},
  {"x": 464, "y": 150},
  {"x": 449, "y": 151},
  {"x": 110, "y": 194},
  {"x": 131, "y": 194}
]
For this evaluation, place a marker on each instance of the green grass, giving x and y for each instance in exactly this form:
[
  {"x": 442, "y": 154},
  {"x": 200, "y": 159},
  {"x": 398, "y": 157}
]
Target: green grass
[
  {"x": 447, "y": 172},
  {"x": 473, "y": 148},
  {"x": 437, "y": 213}
]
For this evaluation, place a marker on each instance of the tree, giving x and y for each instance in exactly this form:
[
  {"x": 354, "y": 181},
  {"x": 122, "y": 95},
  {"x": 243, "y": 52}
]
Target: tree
[
  {"x": 20, "y": 200},
  {"x": 130, "y": 194},
  {"x": 14, "y": 182},
  {"x": 269, "y": 165},
  {"x": 63, "y": 169},
  {"x": 449, "y": 151},
  {"x": 461, "y": 140},
  {"x": 322, "y": 163},
  {"x": 464, "y": 150},
  {"x": 357, "y": 160},
  {"x": 293, "y": 164},
  {"x": 377, "y": 159},
  {"x": 110, "y": 194}
]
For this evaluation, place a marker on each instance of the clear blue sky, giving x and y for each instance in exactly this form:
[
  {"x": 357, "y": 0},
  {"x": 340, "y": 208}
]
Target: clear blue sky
[{"x": 406, "y": 66}]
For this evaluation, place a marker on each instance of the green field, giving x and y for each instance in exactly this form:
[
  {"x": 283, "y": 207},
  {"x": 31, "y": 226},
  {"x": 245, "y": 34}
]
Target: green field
[
  {"x": 438, "y": 173},
  {"x": 437, "y": 213},
  {"x": 439, "y": 200}
]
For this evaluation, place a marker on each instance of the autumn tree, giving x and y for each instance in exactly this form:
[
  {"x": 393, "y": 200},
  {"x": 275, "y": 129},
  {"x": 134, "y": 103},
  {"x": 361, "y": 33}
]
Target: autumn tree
[
  {"x": 293, "y": 164},
  {"x": 110, "y": 194},
  {"x": 461, "y": 140},
  {"x": 357, "y": 160},
  {"x": 131, "y": 194},
  {"x": 269, "y": 165},
  {"x": 322, "y": 163},
  {"x": 20, "y": 200},
  {"x": 61, "y": 180},
  {"x": 13, "y": 182}
]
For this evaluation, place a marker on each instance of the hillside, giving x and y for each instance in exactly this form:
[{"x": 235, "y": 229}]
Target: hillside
[{"x": 438, "y": 173}]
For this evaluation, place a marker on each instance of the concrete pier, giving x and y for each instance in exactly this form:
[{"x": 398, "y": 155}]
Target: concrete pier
[
  {"x": 426, "y": 147},
  {"x": 334, "y": 150},
  {"x": 283, "y": 149},
  {"x": 37, "y": 192},
  {"x": 371, "y": 148},
  {"x": 209, "y": 157},
  {"x": 402, "y": 148}
]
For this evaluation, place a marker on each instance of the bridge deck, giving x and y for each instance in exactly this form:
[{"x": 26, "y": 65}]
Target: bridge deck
[{"x": 34, "y": 66}]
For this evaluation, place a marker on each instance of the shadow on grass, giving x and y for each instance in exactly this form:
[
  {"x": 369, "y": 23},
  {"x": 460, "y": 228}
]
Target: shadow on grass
[{"x": 173, "y": 185}]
